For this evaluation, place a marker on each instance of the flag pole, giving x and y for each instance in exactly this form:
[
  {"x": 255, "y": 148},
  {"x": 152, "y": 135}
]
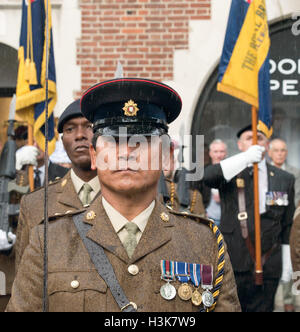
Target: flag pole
[
  {"x": 258, "y": 263},
  {"x": 46, "y": 217},
  {"x": 30, "y": 167}
]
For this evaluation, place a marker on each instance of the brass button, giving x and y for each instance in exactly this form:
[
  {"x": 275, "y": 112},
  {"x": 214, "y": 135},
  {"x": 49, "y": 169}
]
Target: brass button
[
  {"x": 75, "y": 284},
  {"x": 164, "y": 217},
  {"x": 133, "y": 269}
]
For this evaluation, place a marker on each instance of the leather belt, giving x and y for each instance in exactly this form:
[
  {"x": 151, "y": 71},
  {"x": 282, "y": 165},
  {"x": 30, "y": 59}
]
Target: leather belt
[
  {"x": 243, "y": 219},
  {"x": 103, "y": 265}
]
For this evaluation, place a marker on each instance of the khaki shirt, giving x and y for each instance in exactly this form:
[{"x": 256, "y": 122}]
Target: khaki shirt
[
  {"x": 78, "y": 185},
  {"x": 118, "y": 221}
]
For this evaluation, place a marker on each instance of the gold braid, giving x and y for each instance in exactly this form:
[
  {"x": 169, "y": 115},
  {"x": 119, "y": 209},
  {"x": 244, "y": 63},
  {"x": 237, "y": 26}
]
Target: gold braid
[
  {"x": 172, "y": 194},
  {"x": 193, "y": 203}
]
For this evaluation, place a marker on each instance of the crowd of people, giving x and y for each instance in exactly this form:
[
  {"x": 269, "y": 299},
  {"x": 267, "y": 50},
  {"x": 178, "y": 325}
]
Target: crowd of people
[{"x": 165, "y": 245}]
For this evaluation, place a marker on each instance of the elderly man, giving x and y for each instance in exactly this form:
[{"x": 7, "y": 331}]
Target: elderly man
[
  {"x": 127, "y": 252},
  {"x": 217, "y": 152},
  {"x": 278, "y": 153},
  {"x": 234, "y": 179}
]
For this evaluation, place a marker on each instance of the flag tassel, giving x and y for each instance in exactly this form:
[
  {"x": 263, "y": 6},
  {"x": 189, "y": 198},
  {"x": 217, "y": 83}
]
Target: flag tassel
[{"x": 33, "y": 74}]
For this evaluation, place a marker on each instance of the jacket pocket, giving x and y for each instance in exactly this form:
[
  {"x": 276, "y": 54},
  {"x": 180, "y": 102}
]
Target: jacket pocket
[{"x": 76, "y": 292}]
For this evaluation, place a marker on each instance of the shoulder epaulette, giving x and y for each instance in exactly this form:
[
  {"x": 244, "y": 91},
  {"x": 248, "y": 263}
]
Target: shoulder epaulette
[
  {"x": 63, "y": 214},
  {"x": 196, "y": 217},
  {"x": 51, "y": 183}
]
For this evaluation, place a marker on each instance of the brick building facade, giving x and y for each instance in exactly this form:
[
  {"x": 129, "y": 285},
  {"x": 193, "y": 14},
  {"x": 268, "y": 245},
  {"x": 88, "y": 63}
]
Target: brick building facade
[{"x": 142, "y": 34}]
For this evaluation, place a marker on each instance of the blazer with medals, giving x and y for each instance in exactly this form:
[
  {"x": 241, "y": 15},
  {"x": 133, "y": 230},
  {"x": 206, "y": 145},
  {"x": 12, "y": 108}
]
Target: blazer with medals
[{"x": 276, "y": 222}]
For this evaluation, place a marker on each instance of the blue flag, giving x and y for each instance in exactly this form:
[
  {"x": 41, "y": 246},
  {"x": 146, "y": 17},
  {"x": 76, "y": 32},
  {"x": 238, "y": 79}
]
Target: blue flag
[
  {"x": 244, "y": 67},
  {"x": 31, "y": 83}
]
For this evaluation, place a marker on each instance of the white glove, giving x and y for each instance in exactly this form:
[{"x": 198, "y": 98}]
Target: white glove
[
  {"x": 234, "y": 165},
  {"x": 4, "y": 244},
  {"x": 26, "y": 155},
  {"x": 287, "y": 270}
]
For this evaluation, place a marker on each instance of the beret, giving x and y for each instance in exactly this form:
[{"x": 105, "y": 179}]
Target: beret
[{"x": 72, "y": 111}]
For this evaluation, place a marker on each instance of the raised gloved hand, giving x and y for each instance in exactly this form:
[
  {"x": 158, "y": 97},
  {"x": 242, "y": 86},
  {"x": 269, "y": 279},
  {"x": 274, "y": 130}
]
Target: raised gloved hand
[
  {"x": 26, "y": 155},
  {"x": 234, "y": 165},
  {"x": 4, "y": 240}
]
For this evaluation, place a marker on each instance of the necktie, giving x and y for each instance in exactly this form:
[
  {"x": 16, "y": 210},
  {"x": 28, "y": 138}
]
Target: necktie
[
  {"x": 37, "y": 179},
  {"x": 130, "y": 241},
  {"x": 86, "y": 198}
]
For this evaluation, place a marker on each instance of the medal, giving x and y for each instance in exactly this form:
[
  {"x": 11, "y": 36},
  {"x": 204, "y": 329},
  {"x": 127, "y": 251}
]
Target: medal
[
  {"x": 207, "y": 285},
  {"x": 185, "y": 292},
  {"x": 285, "y": 198},
  {"x": 167, "y": 291},
  {"x": 196, "y": 278},
  {"x": 207, "y": 298},
  {"x": 196, "y": 298},
  {"x": 182, "y": 274}
]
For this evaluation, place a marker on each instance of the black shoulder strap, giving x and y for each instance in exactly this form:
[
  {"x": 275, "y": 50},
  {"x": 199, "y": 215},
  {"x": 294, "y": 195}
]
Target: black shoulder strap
[{"x": 103, "y": 265}]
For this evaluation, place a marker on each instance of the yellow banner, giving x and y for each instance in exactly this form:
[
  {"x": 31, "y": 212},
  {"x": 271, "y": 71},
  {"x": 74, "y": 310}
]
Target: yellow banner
[{"x": 250, "y": 52}]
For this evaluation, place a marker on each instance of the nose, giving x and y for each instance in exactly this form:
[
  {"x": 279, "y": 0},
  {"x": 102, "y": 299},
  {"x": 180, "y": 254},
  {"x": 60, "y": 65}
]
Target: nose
[
  {"x": 80, "y": 133},
  {"x": 126, "y": 152}
]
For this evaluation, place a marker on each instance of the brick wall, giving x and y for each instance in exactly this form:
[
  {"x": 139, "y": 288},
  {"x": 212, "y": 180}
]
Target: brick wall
[{"x": 142, "y": 34}]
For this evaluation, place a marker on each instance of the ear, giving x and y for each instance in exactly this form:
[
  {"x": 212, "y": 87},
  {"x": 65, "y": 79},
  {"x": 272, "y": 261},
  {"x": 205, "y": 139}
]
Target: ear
[
  {"x": 93, "y": 157},
  {"x": 239, "y": 144},
  {"x": 168, "y": 163}
]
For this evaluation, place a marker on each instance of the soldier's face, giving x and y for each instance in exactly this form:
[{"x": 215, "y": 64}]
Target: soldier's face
[
  {"x": 128, "y": 165},
  {"x": 246, "y": 140},
  {"x": 77, "y": 136}
]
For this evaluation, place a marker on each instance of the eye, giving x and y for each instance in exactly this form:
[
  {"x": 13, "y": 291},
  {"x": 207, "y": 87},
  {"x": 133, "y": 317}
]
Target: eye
[{"x": 68, "y": 129}]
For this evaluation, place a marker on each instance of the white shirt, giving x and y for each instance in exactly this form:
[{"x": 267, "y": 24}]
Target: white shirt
[
  {"x": 42, "y": 172},
  {"x": 263, "y": 185},
  {"x": 118, "y": 221}
]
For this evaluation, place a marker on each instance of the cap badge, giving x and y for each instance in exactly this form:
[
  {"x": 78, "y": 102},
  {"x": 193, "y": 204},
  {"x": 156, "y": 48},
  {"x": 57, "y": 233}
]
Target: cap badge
[
  {"x": 130, "y": 108},
  {"x": 91, "y": 215}
]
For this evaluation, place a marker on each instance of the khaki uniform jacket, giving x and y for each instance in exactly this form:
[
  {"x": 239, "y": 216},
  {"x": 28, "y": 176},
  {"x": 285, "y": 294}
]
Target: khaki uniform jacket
[
  {"x": 62, "y": 197},
  {"x": 179, "y": 239},
  {"x": 295, "y": 241}
]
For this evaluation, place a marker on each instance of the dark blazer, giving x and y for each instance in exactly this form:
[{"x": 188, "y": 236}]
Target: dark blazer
[{"x": 276, "y": 222}]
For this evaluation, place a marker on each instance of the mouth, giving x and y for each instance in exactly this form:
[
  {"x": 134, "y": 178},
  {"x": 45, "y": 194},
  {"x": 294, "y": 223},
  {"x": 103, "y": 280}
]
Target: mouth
[
  {"x": 126, "y": 170},
  {"x": 81, "y": 148}
]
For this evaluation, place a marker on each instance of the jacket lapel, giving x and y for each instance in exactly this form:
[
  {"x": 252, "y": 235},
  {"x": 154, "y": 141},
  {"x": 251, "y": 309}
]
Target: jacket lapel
[
  {"x": 103, "y": 232},
  {"x": 66, "y": 193},
  {"x": 156, "y": 233}
]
